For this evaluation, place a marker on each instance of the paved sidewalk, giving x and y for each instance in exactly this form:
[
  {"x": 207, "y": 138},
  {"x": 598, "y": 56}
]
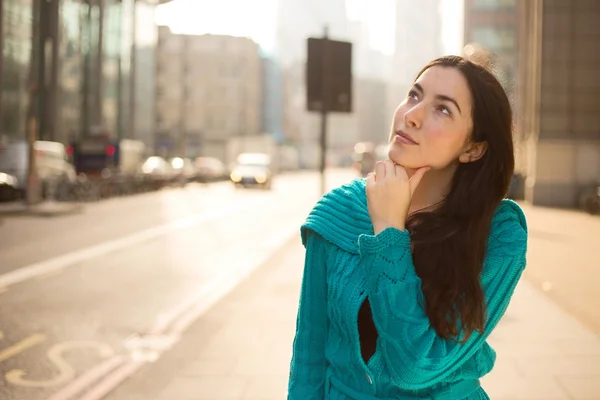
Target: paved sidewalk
[
  {"x": 240, "y": 349},
  {"x": 43, "y": 209}
]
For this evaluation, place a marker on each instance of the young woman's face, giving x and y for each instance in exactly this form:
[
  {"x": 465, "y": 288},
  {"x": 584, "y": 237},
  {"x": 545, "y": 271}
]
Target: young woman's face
[{"x": 432, "y": 126}]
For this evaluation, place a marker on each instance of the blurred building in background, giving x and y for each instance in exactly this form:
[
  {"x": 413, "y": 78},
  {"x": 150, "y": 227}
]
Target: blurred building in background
[
  {"x": 71, "y": 59},
  {"x": 370, "y": 117},
  {"x": 144, "y": 73},
  {"x": 208, "y": 90},
  {"x": 491, "y": 30},
  {"x": 296, "y": 21},
  {"x": 493, "y": 24},
  {"x": 300, "y": 19},
  {"x": 83, "y": 66},
  {"x": 272, "y": 98},
  {"x": 559, "y": 98},
  {"x": 546, "y": 53},
  {"x": 372, "y": 73},
  {"x": 16, "y": 25},
  {"x": 418, "y": 41}
]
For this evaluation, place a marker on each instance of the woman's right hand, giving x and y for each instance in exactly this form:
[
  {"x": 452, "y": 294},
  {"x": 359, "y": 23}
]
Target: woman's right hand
[{"x": 389, "y": 193}]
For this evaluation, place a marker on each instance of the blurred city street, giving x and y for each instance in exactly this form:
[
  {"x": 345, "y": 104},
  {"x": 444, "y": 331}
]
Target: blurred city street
[
  {"x": 119, "y": 280},
  {"x": 158, "y": 157},
  {"x": 160, "y": 296}
]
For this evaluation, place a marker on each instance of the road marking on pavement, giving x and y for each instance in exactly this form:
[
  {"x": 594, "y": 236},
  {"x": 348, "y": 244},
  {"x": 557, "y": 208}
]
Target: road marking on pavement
[
  {"x": 217, "y": 288},
  {"x": 49, "y": 274},
  {"x": 55, "y": 355},
  {"x": 34, "y": 270},
  {"x": 113, "y": 380},
  {"x": 21, "y": 346},
  {"x": 148, "y": 348},
  {"x": 171, "y": 325},
  {"x": 88, "y": 378}
]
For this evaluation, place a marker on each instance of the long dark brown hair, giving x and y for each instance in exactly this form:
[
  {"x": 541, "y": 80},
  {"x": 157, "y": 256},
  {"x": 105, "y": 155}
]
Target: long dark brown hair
[{"x": 450, "y": 240}]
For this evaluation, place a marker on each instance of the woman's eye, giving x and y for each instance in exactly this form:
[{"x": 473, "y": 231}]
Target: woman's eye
[
  {"x": 444, "y": 110},
  {"x": 413, "y": 95}
]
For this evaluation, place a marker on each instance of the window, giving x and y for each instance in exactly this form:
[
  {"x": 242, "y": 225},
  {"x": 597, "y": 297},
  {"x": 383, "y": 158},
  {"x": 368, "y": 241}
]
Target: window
[
  {"x": 494, "y": 4},
  {"x": 495, "y": 39}
]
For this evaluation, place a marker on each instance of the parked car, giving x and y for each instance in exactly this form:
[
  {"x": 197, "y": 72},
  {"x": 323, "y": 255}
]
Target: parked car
[
  {"x": 158, "y": 172},
  {"x": 52, "y": 166},
  {"x": 252, "y": 170},
  {"x": 9, "y": 187},
  {"x": 184, "y": 169},
  {"x": 210, "y": 169}
]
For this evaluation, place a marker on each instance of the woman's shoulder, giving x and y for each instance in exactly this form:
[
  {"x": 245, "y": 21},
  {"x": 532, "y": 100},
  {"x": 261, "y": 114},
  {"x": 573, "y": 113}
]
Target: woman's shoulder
[
  {"x": 340, "y": 216},
  {"x": 509, "y": 229},
  {"x": 354, "y": 189}
]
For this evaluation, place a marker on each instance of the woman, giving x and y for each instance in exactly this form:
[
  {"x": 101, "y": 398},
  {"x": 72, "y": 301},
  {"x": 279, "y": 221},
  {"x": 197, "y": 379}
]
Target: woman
[{"x": 408, "y": 271}]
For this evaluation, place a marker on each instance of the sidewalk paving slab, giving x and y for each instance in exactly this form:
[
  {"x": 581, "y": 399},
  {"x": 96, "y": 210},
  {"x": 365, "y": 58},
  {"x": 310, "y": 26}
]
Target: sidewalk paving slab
[{"x": 241, "y": 348}]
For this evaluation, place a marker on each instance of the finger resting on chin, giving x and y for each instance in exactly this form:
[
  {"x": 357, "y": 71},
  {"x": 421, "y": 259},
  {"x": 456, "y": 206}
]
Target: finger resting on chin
[
  {"x": 380, "y": 169},
  {"x": 390, "y": 168}
]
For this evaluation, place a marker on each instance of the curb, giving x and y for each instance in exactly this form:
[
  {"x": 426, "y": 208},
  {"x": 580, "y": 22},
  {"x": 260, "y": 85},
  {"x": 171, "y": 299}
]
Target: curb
[{"x": 40, "y": 210}]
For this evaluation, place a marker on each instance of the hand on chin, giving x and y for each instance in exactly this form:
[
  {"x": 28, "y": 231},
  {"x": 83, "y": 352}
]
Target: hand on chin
[{"x": 410, "y": 169}]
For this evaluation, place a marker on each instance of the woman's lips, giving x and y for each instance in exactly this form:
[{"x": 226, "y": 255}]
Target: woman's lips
[{"x": 404, "y": 138}]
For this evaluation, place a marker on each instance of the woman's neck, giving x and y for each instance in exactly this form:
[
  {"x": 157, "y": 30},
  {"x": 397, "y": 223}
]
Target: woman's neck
[{"x": 433, "y": 188}]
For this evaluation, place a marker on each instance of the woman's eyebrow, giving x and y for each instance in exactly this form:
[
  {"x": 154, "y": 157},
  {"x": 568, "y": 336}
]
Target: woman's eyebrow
[{"x": 442, "y": 97}]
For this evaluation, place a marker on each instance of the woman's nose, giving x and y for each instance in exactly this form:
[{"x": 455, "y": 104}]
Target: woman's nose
[{"x": 414, "y": 116}]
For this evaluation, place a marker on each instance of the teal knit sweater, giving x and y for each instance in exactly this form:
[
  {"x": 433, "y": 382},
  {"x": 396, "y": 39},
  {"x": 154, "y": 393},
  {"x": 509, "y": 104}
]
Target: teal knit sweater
[{"x": 344, "y": 264}]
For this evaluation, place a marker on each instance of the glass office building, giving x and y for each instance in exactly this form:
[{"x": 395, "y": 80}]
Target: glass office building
[
  {"x": 493, "y": 24},
  {"x": 82, "y": 66},
  {"x": 16, "y": 37}
]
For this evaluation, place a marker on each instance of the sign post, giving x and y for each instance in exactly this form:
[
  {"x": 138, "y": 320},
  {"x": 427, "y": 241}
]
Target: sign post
[{"x": 328, "y": 84}]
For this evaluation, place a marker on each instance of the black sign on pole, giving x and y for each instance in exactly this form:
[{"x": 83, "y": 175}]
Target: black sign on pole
[
  {"x": 338, "y": 56},
  {"x": 328, "y": 84}
]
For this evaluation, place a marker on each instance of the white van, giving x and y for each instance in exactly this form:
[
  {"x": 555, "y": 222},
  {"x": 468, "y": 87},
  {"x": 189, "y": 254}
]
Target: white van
[{"x": 51, "y": 162}]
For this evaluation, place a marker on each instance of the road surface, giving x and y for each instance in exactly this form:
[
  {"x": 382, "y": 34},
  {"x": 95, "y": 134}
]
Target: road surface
[{"x": 82, "y": 294}]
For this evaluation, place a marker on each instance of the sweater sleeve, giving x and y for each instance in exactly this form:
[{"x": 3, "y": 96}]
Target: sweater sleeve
[
  {"x": 308, "y": 365},
  {"x": 415, "y": 354}
]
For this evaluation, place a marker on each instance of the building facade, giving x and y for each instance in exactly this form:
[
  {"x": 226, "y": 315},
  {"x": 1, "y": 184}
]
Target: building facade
[
  {"x": 70, "y": 62},
  {"x": 418, "y": 41},
  {"x": 298, "y": 20},
  {"x": 372, "y": 71},
  {"x": 374, "y": 118},
  {"x": 144, "y": 74},
  {"x": 371, "y": 113},
  {"x": 559, "y": 100},
  {"x": 16, "y": 29},
  {"x": 208, "y": 90},
  {"x": 272, "y": 98},
  {"x": 493, "y": 24}
]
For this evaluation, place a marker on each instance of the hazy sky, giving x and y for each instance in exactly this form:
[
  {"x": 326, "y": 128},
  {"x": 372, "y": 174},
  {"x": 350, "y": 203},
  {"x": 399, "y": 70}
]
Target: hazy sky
[
  {"x": 253, "y": 18},
  {"x": 256, "y": 19},
  {"x": 379, "y": 15}
]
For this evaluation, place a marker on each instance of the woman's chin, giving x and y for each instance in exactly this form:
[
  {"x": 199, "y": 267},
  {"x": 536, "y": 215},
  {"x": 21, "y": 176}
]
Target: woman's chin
[{"x": 404, "y": 160}]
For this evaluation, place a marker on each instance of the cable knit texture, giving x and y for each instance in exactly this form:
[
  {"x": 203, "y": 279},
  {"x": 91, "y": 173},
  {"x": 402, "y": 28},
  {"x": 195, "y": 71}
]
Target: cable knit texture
[{"x": 344, "y": 264}]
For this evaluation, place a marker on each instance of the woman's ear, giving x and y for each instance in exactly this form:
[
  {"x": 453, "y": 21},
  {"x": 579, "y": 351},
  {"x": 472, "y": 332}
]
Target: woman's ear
[{"x": 473, "y": 152}]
